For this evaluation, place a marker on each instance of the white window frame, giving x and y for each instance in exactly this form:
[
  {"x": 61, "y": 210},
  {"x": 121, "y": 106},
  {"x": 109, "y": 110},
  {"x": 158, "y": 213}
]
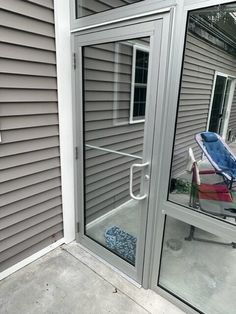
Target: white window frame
[
  {"x": 228, "y": 105},
  {"x": 135, "y": 48}
]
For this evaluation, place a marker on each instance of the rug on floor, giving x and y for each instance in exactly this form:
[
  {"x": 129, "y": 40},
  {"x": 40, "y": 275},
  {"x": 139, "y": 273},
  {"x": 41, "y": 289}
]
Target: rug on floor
[{"x": 121, "y": 242}]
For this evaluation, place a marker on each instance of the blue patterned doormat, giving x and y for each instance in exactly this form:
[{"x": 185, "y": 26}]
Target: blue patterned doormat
[{"x": 121, "y": 242}]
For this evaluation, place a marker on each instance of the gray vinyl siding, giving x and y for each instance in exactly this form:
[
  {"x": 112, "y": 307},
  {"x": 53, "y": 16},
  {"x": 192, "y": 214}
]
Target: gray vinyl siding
[
  {"x": 88, "y": 7},
  {"x": 107, "y": 86},
  {"x": 30, "y": 184},
  {"x": 232, "y": 120},
  {"x": 200, "y": 63}
]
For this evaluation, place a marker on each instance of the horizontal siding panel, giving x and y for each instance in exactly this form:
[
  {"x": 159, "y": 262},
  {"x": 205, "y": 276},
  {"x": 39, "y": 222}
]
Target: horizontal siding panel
[
  {"x": 100, "y": 175},
  {"x": 43, "y": 3},
  {"x": 191, "y": 75},
  {"x": 31, "y": 201},
  {"x": 103, "y": 159},
  {"x": 23, "y": 23},
  {"x": 27, "y": 68},
  {"x": 108, "y": 205},
  {"x": 14, "y": 52},
  {"x": 107, "y": 87},
  {"x": 14, "y": 95},
  {"x": 94, "y": 75},
  {"x": 190, "y": 65},
  {"x": 105, "y": 188},
  {"x": 27, "y": 82},
  {"x": 29, "y": 191},
  {"x": 29, "y": 169},
  {"x": 92, "y": 64},
  {"x": 29, "y": 108},
  {"x": 123, "y": 147},
  {"x": 28, "y": 146},
  {"x": 30, "y": 222},
  {"x": 110, "y": 194},
  {"x": 99, "y": 106},
  {"x": 20, "y": 38},
  {"x": 30, "y": 232},
  {"x": 27, "y": 213},
  {"x": 26, "y": 8},
  {"x": 29, "y": 180},
  {"x": 32, "y": 245},
  {"x": 28, "y": 158},
  {"x": 11, "y": 136},
  {"x": 217, "y": 54},
  {"x": 109, "y": 56},
  {"x": 20, "y": 122}
]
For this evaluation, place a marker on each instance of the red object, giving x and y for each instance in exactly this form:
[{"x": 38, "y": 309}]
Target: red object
[{"x": 216, "y": 192}]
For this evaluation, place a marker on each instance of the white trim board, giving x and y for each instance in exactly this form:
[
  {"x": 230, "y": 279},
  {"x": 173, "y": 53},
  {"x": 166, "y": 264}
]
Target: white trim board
[
  {"x": 65, "y": 112},
  {"x": 30, "y": 259}
]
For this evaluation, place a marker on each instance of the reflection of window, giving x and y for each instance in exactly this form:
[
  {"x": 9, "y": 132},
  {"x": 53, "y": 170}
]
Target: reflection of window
[
  {"x": 222, "y": 97},
  {"x": 139, "y": 84}
]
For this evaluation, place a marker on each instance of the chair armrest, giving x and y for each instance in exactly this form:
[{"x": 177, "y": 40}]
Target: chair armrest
[{"x": 210, "y": 171}]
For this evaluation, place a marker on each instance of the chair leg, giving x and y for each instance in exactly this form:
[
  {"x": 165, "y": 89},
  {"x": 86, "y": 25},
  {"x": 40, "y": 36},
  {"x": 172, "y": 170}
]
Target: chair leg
[{"x": 190, "y": 237}]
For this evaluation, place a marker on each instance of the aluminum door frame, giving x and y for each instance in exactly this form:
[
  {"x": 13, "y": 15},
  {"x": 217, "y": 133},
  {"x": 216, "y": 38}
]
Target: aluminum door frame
[{"x": 158, "y": 28}]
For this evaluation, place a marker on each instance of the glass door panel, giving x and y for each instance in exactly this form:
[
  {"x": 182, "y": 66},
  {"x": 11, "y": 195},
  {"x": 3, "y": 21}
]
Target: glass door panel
[{"x": 112, "y": 144}]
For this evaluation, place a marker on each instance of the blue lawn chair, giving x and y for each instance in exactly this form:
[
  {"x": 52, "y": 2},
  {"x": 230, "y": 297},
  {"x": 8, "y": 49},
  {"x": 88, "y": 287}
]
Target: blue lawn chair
[{"x": 219, "y": 155}]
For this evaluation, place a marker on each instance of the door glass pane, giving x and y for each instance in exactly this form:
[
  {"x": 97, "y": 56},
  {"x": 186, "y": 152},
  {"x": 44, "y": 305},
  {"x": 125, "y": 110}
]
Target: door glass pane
[
  {"x": 89, "y": 7},
  {"x": 111, "y": 146},
  {"x": 203, "y": 172},
  {"x": 199, "y": 268}
]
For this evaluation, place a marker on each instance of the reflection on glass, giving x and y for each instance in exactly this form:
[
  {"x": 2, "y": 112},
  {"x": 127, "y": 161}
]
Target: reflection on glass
[
  {"x": 111, "y": 146},
  {"x": 200, "y": 268},
  {"x": 203, "y": 174},
  {"x": 89, "y": 7}
]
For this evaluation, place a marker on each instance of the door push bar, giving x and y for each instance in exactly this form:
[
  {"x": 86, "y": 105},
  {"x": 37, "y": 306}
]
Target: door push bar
[{"x": 137, "y": 198}]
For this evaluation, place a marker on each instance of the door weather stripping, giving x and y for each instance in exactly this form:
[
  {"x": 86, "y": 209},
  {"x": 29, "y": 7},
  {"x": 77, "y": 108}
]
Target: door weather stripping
[{"x": 137, "y": 198}]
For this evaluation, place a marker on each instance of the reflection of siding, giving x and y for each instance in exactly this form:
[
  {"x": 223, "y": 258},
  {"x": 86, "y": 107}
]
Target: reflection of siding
[
  {"x": 30, "y": 194},
  {"x": 88, "y": 7},
  {"x": 232, "y": 119},
  {"x": 107, "y": 174},
  {"x": 200, "y": 63}
]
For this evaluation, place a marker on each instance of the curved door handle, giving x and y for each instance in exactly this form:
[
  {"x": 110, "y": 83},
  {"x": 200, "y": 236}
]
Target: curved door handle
[{"x": 137, "y": 198}]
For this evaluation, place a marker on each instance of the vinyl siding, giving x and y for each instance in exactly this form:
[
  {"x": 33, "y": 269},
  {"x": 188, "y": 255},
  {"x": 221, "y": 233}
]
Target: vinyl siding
[
  {"x": 30, "y": 184},
  {"x": 88, "y": 7},
  {"x": 200, "y": 63},
  {"x": 107, "y": 86},
  {"x": 232, "y": 119}
]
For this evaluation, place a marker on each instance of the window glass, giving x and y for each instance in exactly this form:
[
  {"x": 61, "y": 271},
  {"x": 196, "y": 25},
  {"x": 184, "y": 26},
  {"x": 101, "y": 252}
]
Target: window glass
[
  {"x": 203, "y": 173},
  {"x": 89, "y": 7},
  {"x": 199, "y": 268},
  {"x": 139, "y": 86},
  {"x": 111, "y": 146}
]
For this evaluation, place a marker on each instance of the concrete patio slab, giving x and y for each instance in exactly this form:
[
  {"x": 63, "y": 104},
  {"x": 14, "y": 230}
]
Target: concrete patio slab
[{"x": 71, "y": 280}]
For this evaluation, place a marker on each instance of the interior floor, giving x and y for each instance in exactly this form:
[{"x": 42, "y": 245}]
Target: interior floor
[
  {"x": 126, "y": 217},
  {"x": 201, "y": 273}
]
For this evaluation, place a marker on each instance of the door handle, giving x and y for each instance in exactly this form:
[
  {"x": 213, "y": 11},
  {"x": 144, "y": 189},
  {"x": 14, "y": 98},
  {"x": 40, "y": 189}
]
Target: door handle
[{"x": 137, "y": 198}]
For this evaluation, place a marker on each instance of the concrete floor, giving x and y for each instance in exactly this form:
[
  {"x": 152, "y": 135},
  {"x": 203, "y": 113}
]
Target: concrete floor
[
  {"x": 201, "y": 273},
  {"x": 71, "y": 280}
]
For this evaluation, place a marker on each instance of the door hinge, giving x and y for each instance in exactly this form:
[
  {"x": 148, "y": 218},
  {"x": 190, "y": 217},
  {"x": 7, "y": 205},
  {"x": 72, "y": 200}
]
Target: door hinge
[
  {"x": 74, "y": 60},
  {"x": 76, "y": 152}
]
